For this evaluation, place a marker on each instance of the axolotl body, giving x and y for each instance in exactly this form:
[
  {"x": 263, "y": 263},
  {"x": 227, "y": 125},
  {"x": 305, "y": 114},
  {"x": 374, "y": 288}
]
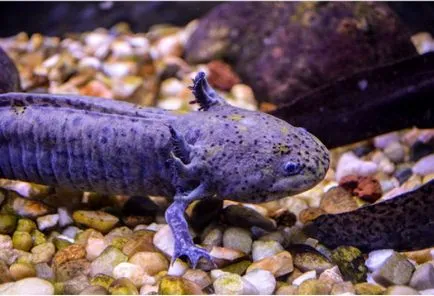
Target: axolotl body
[{"x": 101, "y": 145}]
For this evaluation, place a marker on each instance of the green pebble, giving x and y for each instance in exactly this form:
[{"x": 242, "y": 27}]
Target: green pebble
[
  {"x": 102, "y": 280},
  {"x": 22, "y": 240},
  {"x": 26, "y": 225},
  {"x": 8, "y": 223},
  {"x": 351, "y": 263},
  {"x": 119, "y": 242},
  {"x": 123, "y": 286},
  {"x": 59, "y": 288},
  {"x": 61, "y": 243},
  {"x": 38, "y": 237},
  {"x": 238, "y": 268},
  {"x": 98, "y": 220}
]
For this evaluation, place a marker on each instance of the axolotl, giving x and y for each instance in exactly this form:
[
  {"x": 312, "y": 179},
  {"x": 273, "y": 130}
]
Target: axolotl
[{"x": 107, "y": 146}]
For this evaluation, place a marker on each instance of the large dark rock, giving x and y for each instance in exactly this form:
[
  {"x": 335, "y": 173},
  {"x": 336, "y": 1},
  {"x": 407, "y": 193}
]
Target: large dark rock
[{"x": 285, "y": 49}]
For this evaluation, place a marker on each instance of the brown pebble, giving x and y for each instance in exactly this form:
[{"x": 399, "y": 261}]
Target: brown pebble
[
  {"x": 369, "y": 189},
  {"x": 338, "y": 200},
  {"x": 222, "y": 76},
  {"x": 310, "y": 214},
  {"x": 72, "y": 252},
  {"x": 284, "y": 217}
]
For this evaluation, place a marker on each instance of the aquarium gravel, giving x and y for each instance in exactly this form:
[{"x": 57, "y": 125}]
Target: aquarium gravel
[{"x": 88, "y": 243}]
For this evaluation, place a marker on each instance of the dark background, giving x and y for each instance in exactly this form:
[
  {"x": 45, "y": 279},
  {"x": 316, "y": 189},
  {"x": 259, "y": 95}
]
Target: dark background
[{"x": 58, "y": 18}]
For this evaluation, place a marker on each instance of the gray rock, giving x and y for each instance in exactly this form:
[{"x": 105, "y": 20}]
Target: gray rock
[
  {"x": 401, "y": 290},
  {"x": 396, "y": 270},
  {"x": 423, "y": 277},
  {"x": 262, "y": 249},
  {"x": 238, "y": 239},
  {"x": 395, "y": 152}
]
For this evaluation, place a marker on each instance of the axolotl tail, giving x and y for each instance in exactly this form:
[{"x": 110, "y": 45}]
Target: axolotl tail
[{"x": 405, "y": 222}]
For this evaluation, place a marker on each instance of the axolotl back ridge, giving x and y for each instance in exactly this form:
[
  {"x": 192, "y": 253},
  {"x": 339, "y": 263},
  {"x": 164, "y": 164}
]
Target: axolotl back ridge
[{"x": 101, "y": 145}]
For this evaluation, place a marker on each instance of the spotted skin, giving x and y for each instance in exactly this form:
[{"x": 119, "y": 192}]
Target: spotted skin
[
  {"x": 403, "y": 223},
  {"x": 101, "y": 145}
]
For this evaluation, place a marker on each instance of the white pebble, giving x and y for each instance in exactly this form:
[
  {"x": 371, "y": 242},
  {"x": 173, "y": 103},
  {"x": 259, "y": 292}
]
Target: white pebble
[
  {"x": 163, "y": 240},
  {"x": 96, "y": 244},
  {"x": 349, "y": 164},
  {"x": 263, "y": 249},
  {"x": 377, "y": 258},
  {"x": 133, "y": 272},
  {"x": 27, "y": 286},
  {"x": 5, "y": 242},
  {"x": 89, "y": 62},
  {"x": 47, "y": 221},
  {"x": 424, "y": 166},
  {"x": 71, "y": 231},
  {"x": 64, "y": 217},
  {"x": 383, "y": 141},
  {"x": 149, "y": 290},
  {"x": 178, "y": 268},
  {"x": 171, "y": 87},
  {"x": 170, "y": 103},
  {"x": 305, "y": 276},
  {"x": 262, "y": 280}
]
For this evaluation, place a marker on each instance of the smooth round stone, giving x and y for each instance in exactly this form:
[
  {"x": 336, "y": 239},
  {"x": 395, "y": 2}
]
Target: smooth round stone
[
  {"x": 200, "y": 277},
  {"x": 306, "y": 261},
  {"x": 131, "y": 271},
  {"x": 396, "y": 270},
  {"x": 262, "y": 280},
  {"x": 151, "y": 262},
  {"x": 28, "y": 286},
  {"x": 43, "y": 253},
  {"x": 21, "y": 270},
  {"x": 314, "y": 287},
  {"x": 107, "y": 261},
  {"x": 395, "y": 152},
  {"x": 377, "y": 258},
  {"x": 349, "y": 164},
  {"x": 163, "y": 240},
  {"x": 170, "y": 285},
  {"x": 262, "y": 249},
  {"x": 5, "y": 242},
  {"x": 424, "y": 166},
  {"x": 382, "y": 141},
  {"x": 403, "y": 174},
  {"x": 233, "y": 284},
  {"x": 332, "y": 275},
  {"x": 238, "y": 239},
  {"x": 338, "y": 200},
  {"x": 423, "y": 277}
]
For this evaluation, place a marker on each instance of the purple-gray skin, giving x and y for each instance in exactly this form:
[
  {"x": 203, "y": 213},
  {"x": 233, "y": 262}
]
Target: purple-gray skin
[{"x": 101, "y": 145}]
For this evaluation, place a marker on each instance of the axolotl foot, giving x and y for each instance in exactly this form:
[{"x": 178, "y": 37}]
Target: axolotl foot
[{"x": 192, "y": 252}]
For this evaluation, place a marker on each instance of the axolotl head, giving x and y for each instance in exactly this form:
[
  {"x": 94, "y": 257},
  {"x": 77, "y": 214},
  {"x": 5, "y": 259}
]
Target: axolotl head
[{"x": 255, "y": 157}]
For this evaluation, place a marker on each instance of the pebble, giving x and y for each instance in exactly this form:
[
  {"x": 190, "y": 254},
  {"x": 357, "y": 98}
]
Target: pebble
[
  {"x": 338, "y": 200},
  {"x": 95, "y": 245},
  {"x": 396, "y": 270},
  {"x": 44, "y": 271},
  {"x": 43, "y": 253},
  {"x": 384, "y": 163},
  {"x": 139, "y": 242},
  {"x": 306, "y": 261},
  {"x": 26, "y": 225},
  {"x": 238, "y": 239},
  {"x": 238, "y": 267},
  {"x": 148, "y": 290},
  {"x": 213, "y": 237},
  {"x": 395, "y": 151},
  {"x": 107, "y": 261},
  {"x": 304, "y": 277},
  {"x": 65, "y": 218},
  {"x": 403, "y": 174},
  {"x": 362, "y": 150},
  {"x": 72, "y": 252},
  {"x": 420, "y": 256},
  {"x": 314, "y": 287},
  {"x": 279, "y": 264},
  {"x": 263, "y": 249},
  {"x": 262, "y": 280},
  {"x": 233, "y": 284},
  {"x": 151, "y": 262},
  {"x": 29, "y": 208},
  {"x": 94, "y": 290},
  {"x": 349, "y": 164},
  {"x": 427, "y": 292},
  {"x": 163, "y": 240},
  {"x": 343, "y": 288},
  {"x": 133, "y": 272},
  {"x": 424, "y": 166},
  {"x": 27, "y": 286},
  {"x": 200, "y": 277},
  {"x": 47, "y": 221},
  {"x": 221, "y": 75},
  {"x": 287, "y": 290},
  {"x": 70, "y": 269},
  {"x": 295, "y": 205},
  {"x": 5, "y": 242},
  {"x": 170, "y": 285},
  {"x": 351, "y": 263},
  {"x": 8, "y": 223},
  {"x": 401, "y": 290},
  {"x": 310, "y": 214},
  {"x": 423, "y": 277},
  {"x": 177, "y": 268},
  {"x": 123, "y": 286},
  {"x": 21, "y": 270},
  {"x": 98, "y": 220},
  {"x": 332, "y": 275},
  {"x": 225, "y": 253},
  {"x": 368, "y": 289},
  {"x": 382, "y": 141},
  {"x": 377, "y": 258},
  {"x": 22, "y": 240}
]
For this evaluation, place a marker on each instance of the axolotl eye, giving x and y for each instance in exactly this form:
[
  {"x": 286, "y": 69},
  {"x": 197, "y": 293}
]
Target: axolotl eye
[{"x": 292, "y": 168}]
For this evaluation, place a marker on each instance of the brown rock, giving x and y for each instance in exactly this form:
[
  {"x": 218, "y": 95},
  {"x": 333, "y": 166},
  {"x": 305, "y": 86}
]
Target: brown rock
[
  {"x": 72, "y": 252},
  {"x": 314, "y": 287},
  {"x": 279, "y": 264},
  {"x": 71, "y": 269},
  {"x": 368, "y": 189},
  {"x": 140, "y": 242},
  {"x": 310, "y": 214},
  {"x": 338, "y": 200},
  {"x": 222, "y": 76}
]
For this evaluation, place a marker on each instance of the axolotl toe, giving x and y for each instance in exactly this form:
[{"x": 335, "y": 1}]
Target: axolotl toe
[{"x": 221, "y": 151}]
